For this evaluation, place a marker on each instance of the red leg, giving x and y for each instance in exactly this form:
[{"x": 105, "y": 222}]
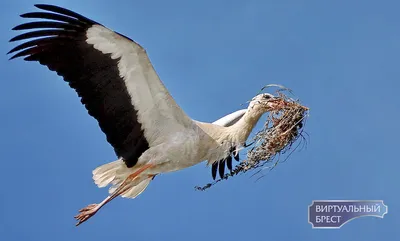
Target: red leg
[{"x": 90, "y": 210}]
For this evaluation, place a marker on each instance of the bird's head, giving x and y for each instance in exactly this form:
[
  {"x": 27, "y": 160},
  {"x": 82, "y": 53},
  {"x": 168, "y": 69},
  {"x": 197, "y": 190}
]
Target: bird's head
[{"x": 264, "y": 102}]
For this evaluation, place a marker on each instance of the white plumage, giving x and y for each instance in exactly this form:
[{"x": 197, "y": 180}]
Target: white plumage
[{"x": 119, "y": 87}]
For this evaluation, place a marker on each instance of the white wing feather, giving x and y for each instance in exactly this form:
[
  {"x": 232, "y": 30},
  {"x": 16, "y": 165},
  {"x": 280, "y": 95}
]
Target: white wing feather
[
  {"x": 230, "y": 119},
  {"x": 151, "y": 99}
]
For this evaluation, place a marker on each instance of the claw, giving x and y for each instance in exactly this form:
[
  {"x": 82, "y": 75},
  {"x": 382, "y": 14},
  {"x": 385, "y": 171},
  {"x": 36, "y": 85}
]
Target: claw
[
  {"x": 90, "y": 210},
  {"x": 89, "y": 207},
  {"x": 85, "y": 213}
]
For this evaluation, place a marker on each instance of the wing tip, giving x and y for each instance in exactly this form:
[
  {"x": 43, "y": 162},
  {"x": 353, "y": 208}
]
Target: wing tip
[
  {"x": 214, "y": 168},
  {"x": 46, "y": 7}
]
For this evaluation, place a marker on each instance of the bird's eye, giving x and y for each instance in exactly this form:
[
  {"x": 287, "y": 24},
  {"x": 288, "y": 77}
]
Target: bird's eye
[{"x": 266, "y": 97}]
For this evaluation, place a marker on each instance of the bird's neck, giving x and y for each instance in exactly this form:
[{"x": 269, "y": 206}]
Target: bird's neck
[{"x": 242, "y": 129}]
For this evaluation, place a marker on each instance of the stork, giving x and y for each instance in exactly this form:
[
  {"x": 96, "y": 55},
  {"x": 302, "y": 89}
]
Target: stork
[{"x": 119, "y": 87}]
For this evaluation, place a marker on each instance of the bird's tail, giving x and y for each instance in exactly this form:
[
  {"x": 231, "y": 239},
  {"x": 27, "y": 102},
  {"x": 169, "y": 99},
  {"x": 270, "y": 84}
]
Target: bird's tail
[{"x": 115, "y": 173}]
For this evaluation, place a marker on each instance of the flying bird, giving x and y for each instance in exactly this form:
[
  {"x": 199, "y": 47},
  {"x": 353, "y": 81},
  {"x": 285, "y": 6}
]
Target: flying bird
[{"x": 119, "y": 87}]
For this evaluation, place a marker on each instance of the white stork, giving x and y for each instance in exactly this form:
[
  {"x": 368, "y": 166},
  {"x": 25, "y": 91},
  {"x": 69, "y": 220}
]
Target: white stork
[{"x": 117, "y": 84}]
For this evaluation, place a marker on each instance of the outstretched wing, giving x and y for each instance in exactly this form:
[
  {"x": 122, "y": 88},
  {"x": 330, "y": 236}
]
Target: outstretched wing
[
  {"x": 110, "y": 72},
  {"x": 219, "y": 166},
  {"x": 230, "y": 119}
]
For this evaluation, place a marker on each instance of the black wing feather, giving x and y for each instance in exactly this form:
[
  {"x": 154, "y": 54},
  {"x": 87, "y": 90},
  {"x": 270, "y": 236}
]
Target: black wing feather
[
  {"x": 57, "y": 17},
  {"x": 221, "y": 168},
  {"x": 236, "y": 156},
  {"x": 214, "y": 168},
  {"x": 64, "y": 11},
  {"x": 229, "y": 162},
  {"x": 220, "y": 165},
  {"x": 60, "y": 44},
  {"x": 46, "y": 24}
]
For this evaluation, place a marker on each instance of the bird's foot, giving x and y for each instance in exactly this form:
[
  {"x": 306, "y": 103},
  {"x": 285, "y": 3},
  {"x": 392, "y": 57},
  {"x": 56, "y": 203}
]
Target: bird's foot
[{"x": 86, "y": 213}]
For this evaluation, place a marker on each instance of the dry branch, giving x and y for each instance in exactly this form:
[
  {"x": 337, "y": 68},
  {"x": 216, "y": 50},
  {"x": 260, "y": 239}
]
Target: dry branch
[{"x": 284, "y": 126}]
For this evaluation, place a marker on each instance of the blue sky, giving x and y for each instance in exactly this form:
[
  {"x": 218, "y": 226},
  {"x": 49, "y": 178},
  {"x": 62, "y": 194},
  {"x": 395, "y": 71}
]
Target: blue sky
[{"x": 340, "y": 57}]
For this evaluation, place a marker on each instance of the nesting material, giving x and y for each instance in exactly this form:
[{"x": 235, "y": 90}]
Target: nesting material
[{"x": 283, "y": 128}]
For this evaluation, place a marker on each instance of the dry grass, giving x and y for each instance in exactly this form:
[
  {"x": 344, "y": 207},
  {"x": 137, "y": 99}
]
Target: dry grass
[{"x": 284, "y": 126}]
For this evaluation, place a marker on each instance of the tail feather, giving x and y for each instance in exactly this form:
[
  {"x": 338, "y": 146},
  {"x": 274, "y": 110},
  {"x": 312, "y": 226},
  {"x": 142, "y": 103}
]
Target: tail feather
[
  {"x": 105, "y": 174},
  {"x": 138, "y": 189},
  {"x": 106, "y": 167},
  {"x": 115, "y": 173},
  {"x": 103, "y": 179}
]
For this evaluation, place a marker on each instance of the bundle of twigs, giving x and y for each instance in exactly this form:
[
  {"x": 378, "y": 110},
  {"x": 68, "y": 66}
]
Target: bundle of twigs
[{"x": 284, "y": 126}]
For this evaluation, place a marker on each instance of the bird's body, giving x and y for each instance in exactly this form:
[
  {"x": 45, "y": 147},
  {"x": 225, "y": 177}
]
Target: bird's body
[{"x": 119, "y": 87}]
